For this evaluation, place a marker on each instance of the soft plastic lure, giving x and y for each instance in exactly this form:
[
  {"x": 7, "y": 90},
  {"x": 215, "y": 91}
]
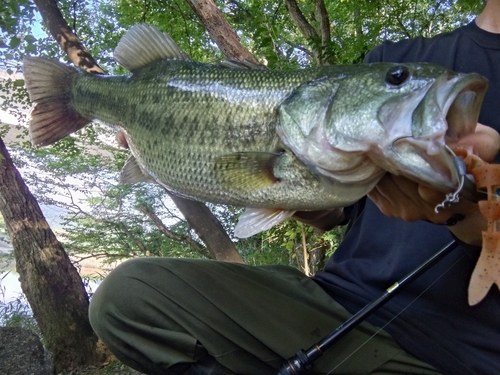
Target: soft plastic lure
[{"x": 487, "y": 270}]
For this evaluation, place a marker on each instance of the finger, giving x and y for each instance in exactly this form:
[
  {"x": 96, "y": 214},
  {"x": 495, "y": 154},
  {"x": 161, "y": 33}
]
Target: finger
[
  {"x": 485, "y": 142},
  {"x": 430, "y": 195},
  {"x": 400, "y": 197},
  {"x": 394, "y": 196},
  {"x": 432, "y": 199}
]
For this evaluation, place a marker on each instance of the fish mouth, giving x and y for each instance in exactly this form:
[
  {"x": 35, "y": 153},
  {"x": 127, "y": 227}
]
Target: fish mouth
[
  {"x": 463, "y": 112},
  {"x": 448, "y": 111}
]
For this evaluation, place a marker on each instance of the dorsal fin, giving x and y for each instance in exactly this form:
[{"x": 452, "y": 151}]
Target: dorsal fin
[{"x": 145, "y": 44}]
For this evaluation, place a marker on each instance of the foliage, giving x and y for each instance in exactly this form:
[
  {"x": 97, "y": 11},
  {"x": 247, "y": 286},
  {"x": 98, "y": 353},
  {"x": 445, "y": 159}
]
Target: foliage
[
  {"x": 17, "y": 313},
  {"x": 10, "y": 13}
]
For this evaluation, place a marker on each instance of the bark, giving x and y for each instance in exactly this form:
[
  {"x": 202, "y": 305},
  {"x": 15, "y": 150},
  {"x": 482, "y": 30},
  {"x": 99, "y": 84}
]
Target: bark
[
  {"x": 220, "y": 30},
  {"x": 51, "y": 283}
]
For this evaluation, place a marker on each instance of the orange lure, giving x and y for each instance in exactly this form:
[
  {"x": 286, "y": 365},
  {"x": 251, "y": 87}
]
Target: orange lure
[{"x": 487, "y": 270}]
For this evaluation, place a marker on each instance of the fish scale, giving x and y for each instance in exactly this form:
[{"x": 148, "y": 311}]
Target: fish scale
[{"x": 273, "y": 141}]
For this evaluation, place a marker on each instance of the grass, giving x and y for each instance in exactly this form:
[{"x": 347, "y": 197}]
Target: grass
[{"x": 16, "y": 312}]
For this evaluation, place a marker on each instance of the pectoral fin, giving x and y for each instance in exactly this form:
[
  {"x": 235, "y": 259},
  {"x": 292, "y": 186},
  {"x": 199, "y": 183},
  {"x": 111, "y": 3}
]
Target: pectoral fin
[
  {"x": 247, "y": 170},
  {"x": 255, "y": 220}
]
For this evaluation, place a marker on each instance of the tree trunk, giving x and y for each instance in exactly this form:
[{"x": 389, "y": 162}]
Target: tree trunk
[{"x": 51, "y": 283}]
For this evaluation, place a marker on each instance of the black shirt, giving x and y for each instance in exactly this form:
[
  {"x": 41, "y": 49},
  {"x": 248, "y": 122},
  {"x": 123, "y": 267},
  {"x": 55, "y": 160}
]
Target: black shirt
[{"x": 437, "y": 326}]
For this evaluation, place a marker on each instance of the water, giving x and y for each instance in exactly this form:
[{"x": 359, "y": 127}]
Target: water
[{"x": 10, "y": 287}]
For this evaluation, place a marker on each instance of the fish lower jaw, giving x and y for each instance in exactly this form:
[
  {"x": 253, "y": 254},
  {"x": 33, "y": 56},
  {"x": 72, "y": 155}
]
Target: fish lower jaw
[{"x": 415, "y": 163}]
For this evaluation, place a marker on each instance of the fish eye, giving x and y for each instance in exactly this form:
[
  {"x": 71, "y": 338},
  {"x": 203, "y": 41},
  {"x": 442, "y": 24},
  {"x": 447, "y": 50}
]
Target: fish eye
[{"x": 397, "y": 75}]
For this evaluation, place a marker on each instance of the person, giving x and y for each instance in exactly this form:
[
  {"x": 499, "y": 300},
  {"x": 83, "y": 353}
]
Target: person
[{"x": 181, "y": 316}]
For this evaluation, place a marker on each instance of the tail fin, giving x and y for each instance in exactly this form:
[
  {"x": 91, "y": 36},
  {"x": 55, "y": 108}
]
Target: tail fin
[
  {"x": 49, "y": 84},
  {"x": 487, "y": 270}
]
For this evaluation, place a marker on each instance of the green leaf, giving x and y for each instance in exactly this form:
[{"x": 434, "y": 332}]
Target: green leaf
[
  {"x": 30, "y": 39},
  {"x": 31, "y": 48},
  {"x": 14, "y": 42}
]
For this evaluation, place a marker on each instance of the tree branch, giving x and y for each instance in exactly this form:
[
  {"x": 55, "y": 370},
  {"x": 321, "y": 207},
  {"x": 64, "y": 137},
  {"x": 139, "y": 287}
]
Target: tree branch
[
  {"x": 168, "y": 233},
  {"x": 324, "y": 22},
  {"x": 300, "y": 21},
  {"x": 219, "y": 29},
  {"x": 304, "y": 27},
  {"x": 134, "y": 239},
  {"x": 210, "y": 229},
  {"x": 62, "y": 33}
]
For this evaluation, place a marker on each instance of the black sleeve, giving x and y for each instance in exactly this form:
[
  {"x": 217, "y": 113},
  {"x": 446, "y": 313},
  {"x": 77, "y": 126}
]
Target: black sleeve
[{"x": 375, "y": 55}]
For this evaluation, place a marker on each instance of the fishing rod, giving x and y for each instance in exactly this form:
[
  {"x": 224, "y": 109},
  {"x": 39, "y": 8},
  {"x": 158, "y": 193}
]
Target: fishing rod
[{"x": 303, "y": 360}]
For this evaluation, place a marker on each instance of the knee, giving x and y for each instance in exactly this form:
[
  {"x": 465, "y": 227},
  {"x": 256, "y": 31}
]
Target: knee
[{"x": 115, "y": 293}]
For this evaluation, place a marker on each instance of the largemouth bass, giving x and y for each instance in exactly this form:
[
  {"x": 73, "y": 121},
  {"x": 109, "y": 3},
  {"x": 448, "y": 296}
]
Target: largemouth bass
[{"x": 273, "y": 141}]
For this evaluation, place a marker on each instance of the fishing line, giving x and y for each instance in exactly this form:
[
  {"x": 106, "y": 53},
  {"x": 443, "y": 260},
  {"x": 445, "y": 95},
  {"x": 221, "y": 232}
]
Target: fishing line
[
  {"x": 303, "y": 360},
  {"x": 395, "y": 316}
]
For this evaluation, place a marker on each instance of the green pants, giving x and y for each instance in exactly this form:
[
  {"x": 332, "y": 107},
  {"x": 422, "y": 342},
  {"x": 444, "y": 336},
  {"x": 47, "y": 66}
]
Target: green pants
[{"x": 157, "y": 313}]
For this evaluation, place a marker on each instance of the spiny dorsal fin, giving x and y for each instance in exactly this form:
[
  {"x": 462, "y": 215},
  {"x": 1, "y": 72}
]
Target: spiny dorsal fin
[
  {"x": 237, "y": 64},
  {"x": 145, "y": 44},
  {"x": 133, "y": 173}
]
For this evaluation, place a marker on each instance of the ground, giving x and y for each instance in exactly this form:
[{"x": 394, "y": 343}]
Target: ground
[{"x": 113, "y": 368}]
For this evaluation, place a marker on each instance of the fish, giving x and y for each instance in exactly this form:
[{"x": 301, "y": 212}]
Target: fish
[{"x": 273, "y": 141}]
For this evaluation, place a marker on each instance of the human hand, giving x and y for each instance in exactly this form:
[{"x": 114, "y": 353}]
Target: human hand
[{"x": 402, "y": 198}]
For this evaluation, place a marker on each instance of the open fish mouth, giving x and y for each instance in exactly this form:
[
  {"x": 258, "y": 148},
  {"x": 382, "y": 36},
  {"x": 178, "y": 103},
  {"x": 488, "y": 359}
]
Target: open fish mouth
[
  {"x": 463, "y": 105},
  {"x": 463, "y": 112},
  {"x": 448, "y": 111}
]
